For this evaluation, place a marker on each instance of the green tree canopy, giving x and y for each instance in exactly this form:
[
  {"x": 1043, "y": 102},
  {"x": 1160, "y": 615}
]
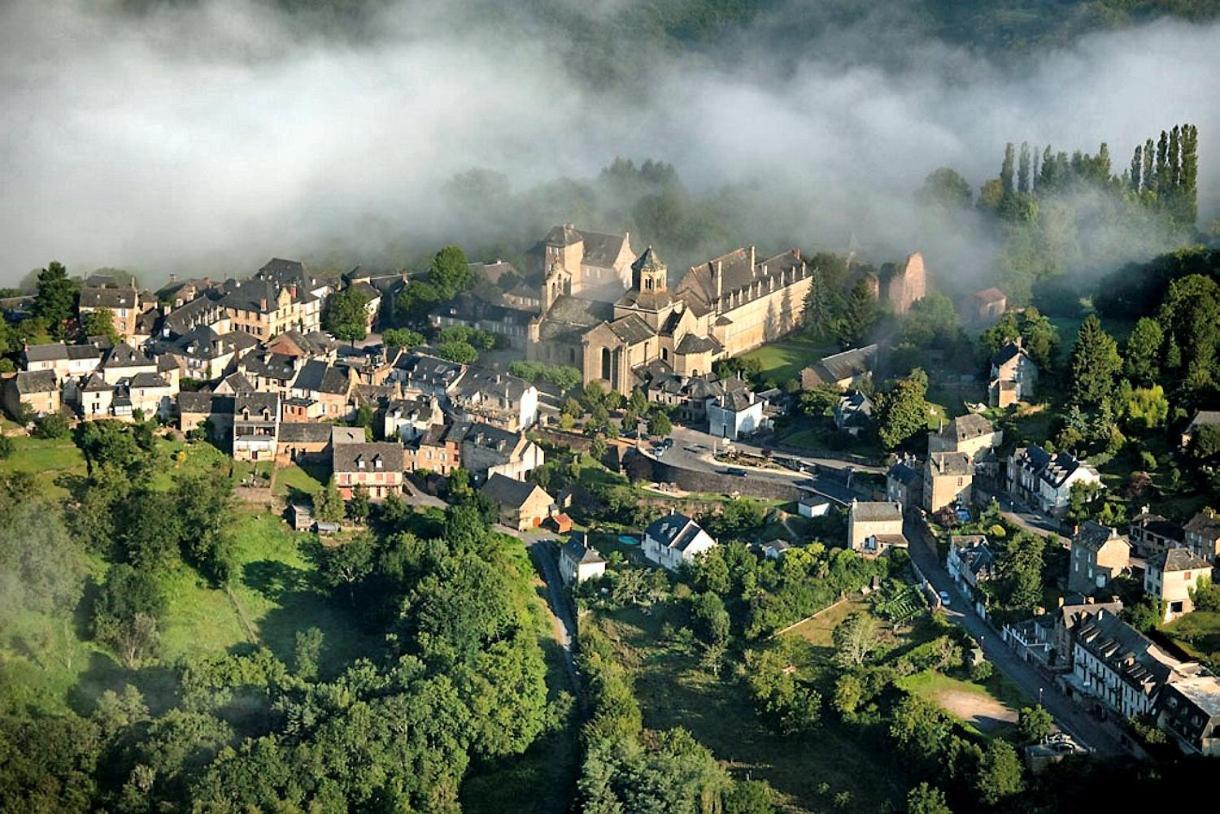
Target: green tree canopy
[
  {"x": 345, "y": 316},
  {"x": 1095, "y": 365}
]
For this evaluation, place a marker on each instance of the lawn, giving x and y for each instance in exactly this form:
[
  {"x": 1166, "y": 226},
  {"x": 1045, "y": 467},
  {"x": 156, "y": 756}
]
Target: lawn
[
  {"x": 49, "y": 461},
  {"x": 818, "y": 631},
  {"x": 1198, "y": 634},
  {"x": 784, "y": 359},
  {"x": 988, "y": 708},
  {"x": 808, "y": 771}
]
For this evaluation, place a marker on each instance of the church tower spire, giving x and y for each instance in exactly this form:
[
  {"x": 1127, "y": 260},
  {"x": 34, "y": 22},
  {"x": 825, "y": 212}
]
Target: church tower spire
[{"x": 648, "y": 273}]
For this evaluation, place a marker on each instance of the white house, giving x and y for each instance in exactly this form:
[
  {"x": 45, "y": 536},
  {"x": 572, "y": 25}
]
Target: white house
[
  {"x": 578, "y": 562},
  {"x": 735, "y": 413},
  {"x": 1120, "y": 667},
  {"x": 811, "y": 505},
  {"x": 1045, "y": 481},
  {"x": 675, "y": 539}
]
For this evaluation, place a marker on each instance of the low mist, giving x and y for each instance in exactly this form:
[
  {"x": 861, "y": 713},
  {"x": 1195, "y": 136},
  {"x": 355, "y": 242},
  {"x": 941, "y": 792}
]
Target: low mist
[{"x": 206, "y": 138}]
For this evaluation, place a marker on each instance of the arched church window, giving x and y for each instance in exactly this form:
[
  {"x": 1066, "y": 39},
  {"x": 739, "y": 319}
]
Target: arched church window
[{"x": 606, "y": 364}]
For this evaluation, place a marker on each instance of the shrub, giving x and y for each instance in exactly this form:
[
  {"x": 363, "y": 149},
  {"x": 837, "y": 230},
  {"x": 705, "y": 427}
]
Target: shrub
[{"x": 52, "y": 425}]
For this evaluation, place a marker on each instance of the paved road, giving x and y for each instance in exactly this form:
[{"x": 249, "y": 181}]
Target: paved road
[
  {"x": 1030, "y": 520},
  {"x": 1070, "y": 717},
  {"x": 542, "y": 550},
  {"x": 693, "y": 450}
]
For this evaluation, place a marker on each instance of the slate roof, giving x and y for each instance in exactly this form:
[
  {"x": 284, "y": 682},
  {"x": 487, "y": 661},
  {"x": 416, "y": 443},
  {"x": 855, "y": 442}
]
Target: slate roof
[
  {"x": 201, "y": 309},
  {"x": 112, "y": 298},
  {"x": 205, "y": 402},
  {"x": 989, "y": 295},
  {"x": 269, "y": 366},
  {"x": 869, "y": 511},
  {"x": 430, "y": 371},
  {"x": 124, "y": 355},
  {"x": 571, "y": 316},
  {"x": 1179, "y": 559},
  {"x": 1125, "y": 651},
  {"x": 1092, "y": 536},
  {"x": 489, "y": 385},
  {"x": 846, "y": 365},
  {"x": 346, "y": 435},
  {"x": 1205, "y": 523},
  {"x": 578, "y": 552},
  {"x": 348, "y": 457},
  {"x": 319, "y": 377},
  {"x": 304, "y": 432},
  {"x": 238, "y": 383},
  {"x": 599, "y": 249},
  {"x": 36, "y": 381},
  {"x": 259, "y": 296},
  {"x": 509, "y": 492},
  {"x": 96, "y": 384},
  {"x": 676, "y": 531},
  {"x": 147, "y": 380},
  {"x": 904, "y": 473},
  {"x": 1007, "y": 353},
  {"x": 632, "y": 329},
  {"x": 1158, "y": 525},
  {"x": 950, "y": 463},
  {"x": 468, "y": 308},
  {"x": 974, "y": 554},
  {"x": 1204, "y": 418},
  {"x": 965, "y": 427},
  {"x": 698, "y": 285},
  {"x": 698, "y": 344},
  {"x": 257, "y": 402},
  {"x": 55, "y": 351}
]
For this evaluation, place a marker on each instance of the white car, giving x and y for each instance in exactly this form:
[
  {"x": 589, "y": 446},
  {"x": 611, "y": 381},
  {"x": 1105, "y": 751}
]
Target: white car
[{"x": 945, "y": 599}]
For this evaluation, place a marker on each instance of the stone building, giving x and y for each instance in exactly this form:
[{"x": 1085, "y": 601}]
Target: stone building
[
  {"x": 728, "y": 306},
  {"x": 582, "y": 264},
  {"x": 898, "y": 287}
]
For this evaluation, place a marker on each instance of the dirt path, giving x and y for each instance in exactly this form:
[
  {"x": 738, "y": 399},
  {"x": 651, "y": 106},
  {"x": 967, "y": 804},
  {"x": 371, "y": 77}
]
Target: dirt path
[{"x": 985, "y": 713}]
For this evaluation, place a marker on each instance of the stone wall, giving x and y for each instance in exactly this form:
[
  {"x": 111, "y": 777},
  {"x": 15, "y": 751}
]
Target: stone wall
[{"x": 698, "y": 481}]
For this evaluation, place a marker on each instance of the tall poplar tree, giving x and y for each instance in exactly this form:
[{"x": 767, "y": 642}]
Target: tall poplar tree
[
  {"x": 1023, "y": 169},
  {"x": 1162, "y": 166},
  {"x": 1137, "y": 166},
  {"x": 1033, "y": 176},
  {"x": 1188, "y": 211},
  {"x": 1149, "y": 180},
  {"x": 1175, "y": 165},
  {"x": 1047, "y": 179},
  {"x": 1006, "y": 171}
]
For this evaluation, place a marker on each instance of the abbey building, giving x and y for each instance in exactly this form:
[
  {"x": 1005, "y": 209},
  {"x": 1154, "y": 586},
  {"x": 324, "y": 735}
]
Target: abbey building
[{"x": 620, "y": 322}]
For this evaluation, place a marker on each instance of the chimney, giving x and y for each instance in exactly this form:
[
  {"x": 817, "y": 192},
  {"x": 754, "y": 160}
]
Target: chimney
[
  {"x": 751, "y": 260},
  {"x": 1061, "y": 601},
  {"x": 262, "y": 304},
  {"x": 719, "y": 279}
]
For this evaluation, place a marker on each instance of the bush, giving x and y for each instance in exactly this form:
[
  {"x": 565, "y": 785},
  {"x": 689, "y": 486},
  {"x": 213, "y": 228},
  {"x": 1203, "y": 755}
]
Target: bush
[
  {"x": 6, "y": 447},
  {"x": 53, "y": 425},
  {"x": 1147, "y": 461},
  {"x": 982, "y": 671}
]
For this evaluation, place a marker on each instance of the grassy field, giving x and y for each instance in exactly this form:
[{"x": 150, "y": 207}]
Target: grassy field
[
  {"x": 989, "y": 708},
  {"x": 1198, "y": 634},
  {"x": 808, "y": 771},
  {"x": 783, "y": 360},
  {"x": 51, "y": 462}
]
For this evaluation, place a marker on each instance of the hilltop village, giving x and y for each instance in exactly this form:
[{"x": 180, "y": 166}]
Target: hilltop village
[{"x": 857, "y": 502}]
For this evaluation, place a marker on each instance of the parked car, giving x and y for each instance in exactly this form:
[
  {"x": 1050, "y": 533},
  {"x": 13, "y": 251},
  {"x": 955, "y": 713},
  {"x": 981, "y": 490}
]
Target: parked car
[
  {"x": 736, "y": 471},
  {"x": 945, "y": 599},
  {"x": 667, "y": 442},
  {"x": 659, "y": 450}
]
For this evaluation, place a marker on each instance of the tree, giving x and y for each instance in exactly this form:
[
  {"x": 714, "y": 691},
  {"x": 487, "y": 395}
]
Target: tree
[
  {"x": 450, "y": 272},
  {"x": 999, "y": 774},
  {"x": 358, "y": 507},
  {"x": 1035, "y": 724},
  {"x": 100, "y": 322},
  {"x": 1147, "y": 407},
  {"x": 126, "y": 611},
  {"x": 345, "y": 316},
  {"x": 709, "y": 618},
  {"x": 856, "y": 638},
  {"x": 1082, "y": 501},
  {"x": 946, "y": 188},
  {"x": 1006, "y": 171},
  {"x": 659, "y": 423},
  {"x": 347, "y": 564},
  {"x": 1142, "y": 361},
  {"x": 52, "y": 426},
  {"x": 417, "y": 301},
  {"x": 461, "y": 352},
  {"x": 859, "y": 316},
  {"x": 401, "y": 338},
  {"x": 903, "y": 409},
  {"x": 328, "y": 503},
  {"x": 41, "y": 568},
  {"x": 308, "y": 652},
  {"x": 55, "y": 301},
  {"x": 926, "y": 799},
  {"x": 1095, "y": 364},
  {"x": 1019, "y": 569}
]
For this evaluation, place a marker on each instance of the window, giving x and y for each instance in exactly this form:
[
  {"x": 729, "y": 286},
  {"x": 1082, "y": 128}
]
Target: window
[{"x": 606, "y": 364}]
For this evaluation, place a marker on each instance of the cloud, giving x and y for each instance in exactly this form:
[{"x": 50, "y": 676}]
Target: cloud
[{"x": 207, "y": 138}]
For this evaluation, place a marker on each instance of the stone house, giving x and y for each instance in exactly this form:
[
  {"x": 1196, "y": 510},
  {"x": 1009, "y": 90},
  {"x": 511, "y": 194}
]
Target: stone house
[
  {"x": 438, "y": 449},
  {"x": 904, "y": 483},
  {"x": 947, "y": 478},
  {"x": 970, "y": 434},
  {"x": 203, "y": 354},
  {"x": 123, "y": 302},
  {"x": 151, "y": 393},
  {"x": 303, "y": 440},
  {"x": 488, "y": 450},
  {"x": 675, "y": 539},
  {"x": 1203, "y": 418},
  {"x": 1066, "y": 618},
  {"x": 1189, "y": 710},
  {"x": 499, "y": 399},
  {"x": 1151, "y": 534},
  {"x": 66, "y": 361},
  {"x": 1119, "y": 667},
  {"x": 901, "y": 286},
  {"x": 408, "y": 419},
  {"x": 378, "y": 466},
  {"x": 256, "y": 423},
  {"x": 1045, "y": 481},
  {"x": 330, "y": 386},
  {"x": 1170, "y": 577},
  {"x": 843, "y": 370},
  {"x": 737, "y": 412},
  {"x": 1014, "y": 376},
  {"x": 37, "y": 391},
  {"x": 194, "y": 409},
  {"x": 874, "y": 527},
  {"x": 523, "y": 505},
  {"x": 985, "y": 307},
  {"x": 123, "y": 362},
  {"x": 1203, "y": 534},
  {"x": 580, "y": 263},
  {"x": 1098, "y": 555}
]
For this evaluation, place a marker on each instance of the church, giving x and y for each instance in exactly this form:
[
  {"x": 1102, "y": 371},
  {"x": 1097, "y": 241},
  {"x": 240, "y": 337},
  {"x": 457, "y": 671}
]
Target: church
[{"x": 727, "y": 306}]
